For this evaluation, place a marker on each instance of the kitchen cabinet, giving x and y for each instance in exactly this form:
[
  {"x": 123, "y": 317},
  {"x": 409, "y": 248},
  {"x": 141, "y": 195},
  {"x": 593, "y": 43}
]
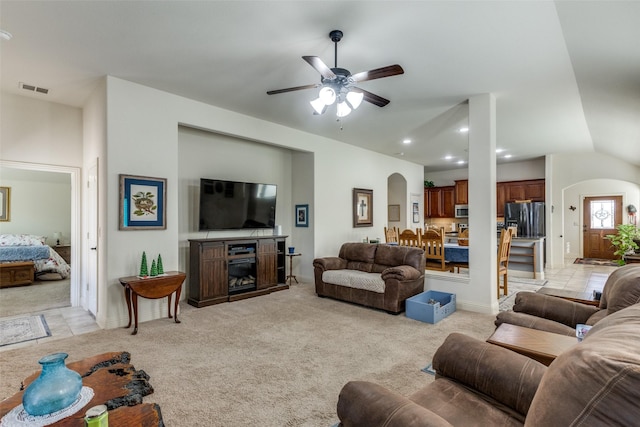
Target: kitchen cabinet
[
  {"x": 439, "y": 202},
  {"x": 501, "y": 198},
  {"x": 462, "y": 192},
  {"x": 524, "y": 190}
]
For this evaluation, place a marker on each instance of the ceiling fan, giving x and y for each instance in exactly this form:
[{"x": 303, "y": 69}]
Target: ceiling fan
[{"x": 338, "y": 84}]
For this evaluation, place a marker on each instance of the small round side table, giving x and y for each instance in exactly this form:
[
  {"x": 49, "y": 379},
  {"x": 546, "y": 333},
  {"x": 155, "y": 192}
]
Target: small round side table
[{"x": 291, "y": 276}]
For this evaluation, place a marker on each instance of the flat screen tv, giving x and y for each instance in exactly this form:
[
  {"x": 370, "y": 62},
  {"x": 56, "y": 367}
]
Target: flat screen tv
[{"x": 231, "y": 205}]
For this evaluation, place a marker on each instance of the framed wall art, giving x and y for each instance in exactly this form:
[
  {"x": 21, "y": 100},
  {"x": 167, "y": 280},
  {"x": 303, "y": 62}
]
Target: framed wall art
[
  {"x": 302, "y": 215},
  {"x": 393, "y": 213},
  {"x": 143, "y": 203},
  {"x": 362, "y": 207},
  {"x": 5, "y": 203},
  {"x": 416, "y": 212}
]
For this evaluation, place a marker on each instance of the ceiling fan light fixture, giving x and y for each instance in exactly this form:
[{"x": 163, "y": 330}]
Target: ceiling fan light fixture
[
  {"x": 355, "y": 98},
  {"x": 327, "y": 95},
  {"x": 342, "y": 109},
  {"x": 318, "y": 105}
]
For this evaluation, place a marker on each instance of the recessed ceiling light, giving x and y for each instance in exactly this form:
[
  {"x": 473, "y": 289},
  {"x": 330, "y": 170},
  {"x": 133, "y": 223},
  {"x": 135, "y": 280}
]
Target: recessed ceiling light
[
  {"x": 406, "y": 141},
  {"x": 507, "y": 156},
  {"x": 448, "y": 157},
  {"x": 461, "y": 162},
  {"x": 399, "y": 154},
  {"x": 6, "y": 35},
  {"x": 499, "y": 150},
  {"x": 463, "y": 129}
]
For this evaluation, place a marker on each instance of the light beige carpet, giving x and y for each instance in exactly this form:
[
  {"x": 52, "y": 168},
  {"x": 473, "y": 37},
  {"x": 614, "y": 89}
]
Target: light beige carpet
[
  {"x": 37, "y": 297},
  {"x": 275, "y": 360}
]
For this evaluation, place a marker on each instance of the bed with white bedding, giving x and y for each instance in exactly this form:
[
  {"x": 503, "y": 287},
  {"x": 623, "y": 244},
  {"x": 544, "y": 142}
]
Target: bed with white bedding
[{"x": 32, "y": 248}]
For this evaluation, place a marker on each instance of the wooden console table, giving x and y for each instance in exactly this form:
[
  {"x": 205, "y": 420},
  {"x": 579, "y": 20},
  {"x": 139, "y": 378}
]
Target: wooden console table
[
  {"x": 152, "y": 288},
  {"x": 115, "y": 383},
  {"x": 538, "y": 345}
]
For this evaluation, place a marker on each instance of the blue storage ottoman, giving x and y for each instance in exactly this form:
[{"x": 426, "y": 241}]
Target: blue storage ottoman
[{"x": 418, "y": 307}]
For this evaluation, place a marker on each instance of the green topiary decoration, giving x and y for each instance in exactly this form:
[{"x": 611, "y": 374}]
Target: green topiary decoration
[
  {"x": 144, "y": 270},
  {"x": 154, "y": 268},
  {"x": 160, "y": 266}
]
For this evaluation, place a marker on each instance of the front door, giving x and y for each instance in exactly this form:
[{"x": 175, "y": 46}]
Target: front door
[{"x": 601, "y": 215}]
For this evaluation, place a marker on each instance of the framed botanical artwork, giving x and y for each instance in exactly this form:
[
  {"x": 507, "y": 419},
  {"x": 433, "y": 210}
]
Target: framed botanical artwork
[
  {"x": 302, "y": 215},
  {"x": 393, "y": 213},
  {"x": 143, "y": 202},
  {"x": 5, "y": 203},
  {"x": 362, "y": 207},
  {"x": 416, "y": 212}
]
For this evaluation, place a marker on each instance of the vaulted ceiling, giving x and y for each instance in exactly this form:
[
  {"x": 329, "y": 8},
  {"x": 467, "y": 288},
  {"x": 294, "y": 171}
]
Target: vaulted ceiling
[{"x": 565, "y": 74}]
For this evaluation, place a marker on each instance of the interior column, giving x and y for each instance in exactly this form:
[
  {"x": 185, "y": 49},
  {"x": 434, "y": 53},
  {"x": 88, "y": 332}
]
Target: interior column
[{"x": 482, "y": 199}]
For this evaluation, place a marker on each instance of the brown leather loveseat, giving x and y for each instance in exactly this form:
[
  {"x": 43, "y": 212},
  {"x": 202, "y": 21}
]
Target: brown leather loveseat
[
  {"x": 378, "y": 276},
  {"x": 594, "y": 383},
  {"x": 552, "y": 314}
]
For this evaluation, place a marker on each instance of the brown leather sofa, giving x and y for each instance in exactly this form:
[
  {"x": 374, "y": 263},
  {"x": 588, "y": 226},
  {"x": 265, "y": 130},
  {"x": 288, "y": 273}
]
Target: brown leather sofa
[
  {"x": 378, "y": 276},
  {"x": 552, "y": 314},
  {"x": 595, "y": 383}
]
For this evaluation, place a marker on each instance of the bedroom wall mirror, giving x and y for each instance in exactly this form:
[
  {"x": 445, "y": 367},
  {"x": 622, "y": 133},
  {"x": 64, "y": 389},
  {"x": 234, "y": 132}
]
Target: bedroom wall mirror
[{"x": 45, "y": 202}]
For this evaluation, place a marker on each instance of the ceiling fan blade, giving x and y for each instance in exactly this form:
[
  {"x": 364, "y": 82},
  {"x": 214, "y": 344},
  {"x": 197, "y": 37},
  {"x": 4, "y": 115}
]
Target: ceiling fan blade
[
  {"x": 373, "y": 98},
  {"x": 320, "y": 66},
  {"x": 378, "y": 73},
  {"x": 291, "y": 89}
]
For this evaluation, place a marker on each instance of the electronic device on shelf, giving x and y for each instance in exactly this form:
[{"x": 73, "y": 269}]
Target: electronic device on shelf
[{"x": 233, "y": 205}]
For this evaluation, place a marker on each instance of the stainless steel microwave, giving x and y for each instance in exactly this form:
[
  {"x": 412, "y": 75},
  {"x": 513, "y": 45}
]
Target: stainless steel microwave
[{"x": 462, "y": 211}]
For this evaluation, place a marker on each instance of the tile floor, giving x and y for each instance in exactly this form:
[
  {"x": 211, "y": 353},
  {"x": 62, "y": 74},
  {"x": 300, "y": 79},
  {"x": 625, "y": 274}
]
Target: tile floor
[
  {"x": 63, "y": 322},
  {"x": 68, "y": 321}
]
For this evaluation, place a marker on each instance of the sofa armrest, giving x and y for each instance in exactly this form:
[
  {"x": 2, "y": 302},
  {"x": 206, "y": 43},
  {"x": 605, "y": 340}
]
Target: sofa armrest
[
  {"x": 330, "y": 263},
  {"x": 506, "y": 376},
  {"x": 567, "y": 312},
  {"x": 366, "y": 404},
  {"x": 400, "y": 273}
]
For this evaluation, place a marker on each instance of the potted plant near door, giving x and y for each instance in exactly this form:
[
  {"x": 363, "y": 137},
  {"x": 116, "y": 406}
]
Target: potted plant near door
[{"x": 625, "y": 241}]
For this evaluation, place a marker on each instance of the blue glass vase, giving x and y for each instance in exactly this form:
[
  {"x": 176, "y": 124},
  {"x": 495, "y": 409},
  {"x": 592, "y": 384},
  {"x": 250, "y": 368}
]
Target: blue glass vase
[{"x": 56, "y": 388}]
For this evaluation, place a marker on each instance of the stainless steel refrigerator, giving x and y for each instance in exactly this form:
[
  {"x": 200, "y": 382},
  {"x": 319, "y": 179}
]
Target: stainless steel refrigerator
[{"x": 528, "y": 217}]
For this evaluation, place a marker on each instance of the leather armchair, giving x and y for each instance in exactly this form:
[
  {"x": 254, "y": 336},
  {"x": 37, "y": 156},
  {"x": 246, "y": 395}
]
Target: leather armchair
[
  {"x": 596, "y": 382},
  {"x": 553, "y": 314}
]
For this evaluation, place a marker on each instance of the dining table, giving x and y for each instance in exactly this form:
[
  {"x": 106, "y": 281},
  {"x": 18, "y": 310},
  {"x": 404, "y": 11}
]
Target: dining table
[{"x": 456, "y": 253}]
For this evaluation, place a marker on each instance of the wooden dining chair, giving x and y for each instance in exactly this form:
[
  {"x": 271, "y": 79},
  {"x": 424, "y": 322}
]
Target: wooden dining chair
[
  {"x": 504, "y": 248},
  {"x": 433, "y": 245},
  {"x": 391, "y": 235},
  {"x": 410, "y": 238}
]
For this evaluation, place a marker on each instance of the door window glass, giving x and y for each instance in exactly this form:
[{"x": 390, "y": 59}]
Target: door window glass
[{"x": 602, "y": 214}]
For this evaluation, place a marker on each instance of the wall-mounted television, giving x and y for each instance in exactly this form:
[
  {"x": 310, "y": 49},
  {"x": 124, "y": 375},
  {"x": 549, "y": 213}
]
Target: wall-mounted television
[{"x": 232, "y": 205}]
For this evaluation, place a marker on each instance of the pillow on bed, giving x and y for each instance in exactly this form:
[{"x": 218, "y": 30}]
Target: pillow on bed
[{"x": 21, "y": 240}]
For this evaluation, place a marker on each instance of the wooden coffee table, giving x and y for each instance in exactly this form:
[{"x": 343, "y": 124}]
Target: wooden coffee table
[
  {"x": 539, "y": 345},
  {"x": 115, "y": 383},
  {"x": 577, "y": 296}
]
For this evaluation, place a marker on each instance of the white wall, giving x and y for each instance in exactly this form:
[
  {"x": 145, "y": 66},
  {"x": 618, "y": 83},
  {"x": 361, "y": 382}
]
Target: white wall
[
  {"x": 37, "y": 131},
  {"x": 40, "y": 203},
  {"x": 600, "y": 173},
  {"x": 142, "y": 133},
  {"x": 574, "y": 196},
  {"x": 511, "y": 171}
]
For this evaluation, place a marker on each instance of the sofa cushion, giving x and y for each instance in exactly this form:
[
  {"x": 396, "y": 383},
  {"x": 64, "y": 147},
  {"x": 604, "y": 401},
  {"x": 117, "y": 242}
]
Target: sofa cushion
[
  {"x": 391, "y": 256},
  {"x": 597, "y": 382},
  {"x": 359, "y": 256},
  {"x": 355, "y": 279},
  {"x": 622, "y": 288}
]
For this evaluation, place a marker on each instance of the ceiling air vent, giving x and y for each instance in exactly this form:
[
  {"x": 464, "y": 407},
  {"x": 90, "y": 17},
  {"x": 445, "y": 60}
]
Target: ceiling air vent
[{"x": 32, "y": 88}]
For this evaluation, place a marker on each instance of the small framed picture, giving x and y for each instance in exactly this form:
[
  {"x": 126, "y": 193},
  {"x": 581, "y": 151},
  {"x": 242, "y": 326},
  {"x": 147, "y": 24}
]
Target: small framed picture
[
  {"x": 362, "y": 207},
  {"x": 142, "y": 203},
  {"x": 394, "y": 213},
  {"x": 5, "y": 203},
  {"x": 416, "y": 212},
  {"x": 302, "y": 215}
]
